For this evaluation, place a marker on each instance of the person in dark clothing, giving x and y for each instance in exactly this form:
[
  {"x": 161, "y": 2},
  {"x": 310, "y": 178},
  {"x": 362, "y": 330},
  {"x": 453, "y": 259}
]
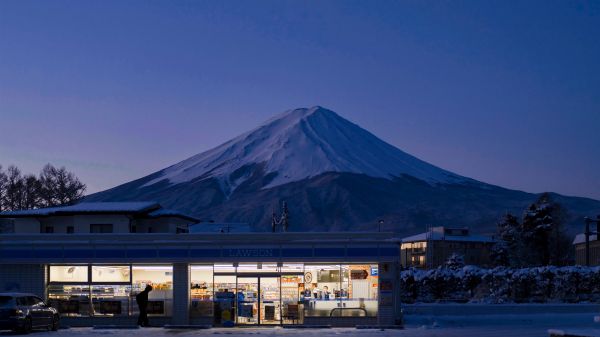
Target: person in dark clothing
[{"x": 142, "y": 302}]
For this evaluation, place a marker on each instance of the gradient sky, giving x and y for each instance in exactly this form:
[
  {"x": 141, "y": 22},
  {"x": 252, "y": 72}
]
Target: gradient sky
[{"x": 500, "y": 91}]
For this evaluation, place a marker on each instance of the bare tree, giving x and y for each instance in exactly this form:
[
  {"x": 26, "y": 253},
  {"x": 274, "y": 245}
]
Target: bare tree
[
  {"x": 13, "y": 195},
  {"x": 30, "y": 194},
  {"x": 3, "y": 180},
  {"x": 59, "y": 186},
  {"x": 54, "y": 187}
]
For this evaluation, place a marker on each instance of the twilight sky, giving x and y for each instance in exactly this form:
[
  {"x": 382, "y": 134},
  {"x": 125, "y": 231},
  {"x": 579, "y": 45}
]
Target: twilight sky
[{"x": 500, "y": 91}]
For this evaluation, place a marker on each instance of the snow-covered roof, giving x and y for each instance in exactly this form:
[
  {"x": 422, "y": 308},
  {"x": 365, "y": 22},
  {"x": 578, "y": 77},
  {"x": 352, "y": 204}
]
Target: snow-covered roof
[
  {"x": 164, "y": 212},
  {"x": 580, "y": 238},
  {"x": 437, "y": 236},
  {"x": 87, "y": 207}
]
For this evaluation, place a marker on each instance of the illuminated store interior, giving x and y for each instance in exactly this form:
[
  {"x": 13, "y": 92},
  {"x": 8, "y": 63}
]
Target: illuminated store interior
[{"x": 244, "y": 293}]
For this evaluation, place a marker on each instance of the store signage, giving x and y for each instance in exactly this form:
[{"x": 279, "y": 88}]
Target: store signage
[
  {"x": 254, "y": 252},
  {"x": 359, "y": 274},
  {"x": 374, "y": 271}
]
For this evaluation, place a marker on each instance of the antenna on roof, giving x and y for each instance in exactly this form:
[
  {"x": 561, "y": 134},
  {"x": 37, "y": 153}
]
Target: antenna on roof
[{"x": 283, "y": 220}]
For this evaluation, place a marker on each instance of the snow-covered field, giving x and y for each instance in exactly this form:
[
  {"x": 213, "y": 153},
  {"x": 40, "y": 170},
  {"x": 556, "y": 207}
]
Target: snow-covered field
[{"x": 416, "y": 325}]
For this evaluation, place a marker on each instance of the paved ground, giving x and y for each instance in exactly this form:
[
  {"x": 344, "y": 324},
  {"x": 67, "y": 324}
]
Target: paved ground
[
  {"x": 417, "y": 326},
  {"x": 267, "y": 332}
]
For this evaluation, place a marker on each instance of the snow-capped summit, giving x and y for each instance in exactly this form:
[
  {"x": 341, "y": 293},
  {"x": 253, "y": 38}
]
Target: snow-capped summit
[{"x": 299, "y": 144}]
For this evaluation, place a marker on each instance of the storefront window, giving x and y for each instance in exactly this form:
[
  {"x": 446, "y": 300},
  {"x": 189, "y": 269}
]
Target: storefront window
[
  {"x": 292, "y": 288},
  {"x": 360, "y": 287},
  {"x": 225, "y": 292},
  {"x": 110, "y": 274},
  {"x": 201, "y": 291},
  {"x": 160, "y": 299},
  {"x": 70, "y": 300},
  {"x": 110, "y": 300},
  {"x": 322, "y": 289},
  {"x": 68, "y": 273}
]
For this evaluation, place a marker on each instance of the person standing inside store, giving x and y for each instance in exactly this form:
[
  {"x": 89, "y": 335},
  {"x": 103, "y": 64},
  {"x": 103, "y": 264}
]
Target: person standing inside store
[{"x": 142, "y": 302}]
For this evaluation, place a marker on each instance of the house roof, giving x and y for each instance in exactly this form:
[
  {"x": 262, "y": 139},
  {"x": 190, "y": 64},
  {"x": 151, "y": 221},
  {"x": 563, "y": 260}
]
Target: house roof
[
  {"x": 129, "y": 207},
  {"x": 437, "y": 236},
  {"x": 580, "y": 238},
  {"x": 164, "y": 212}
]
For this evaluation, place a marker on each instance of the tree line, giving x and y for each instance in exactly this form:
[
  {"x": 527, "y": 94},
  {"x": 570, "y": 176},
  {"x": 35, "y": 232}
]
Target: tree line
[
  {"x": 52, "y": 187},
  {"x": 537, "y": 239}
]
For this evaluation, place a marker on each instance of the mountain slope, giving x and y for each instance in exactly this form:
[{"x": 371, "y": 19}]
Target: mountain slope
[
  {"x": 300, "y": 144},
  {"x": 334, "y": 176}
]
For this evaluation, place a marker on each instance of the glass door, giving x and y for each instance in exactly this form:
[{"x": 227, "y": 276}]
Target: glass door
[
  {"x": 248, "y": 300},
  {"x": 270, "y": 300},
  {"x": 292, "y": 287}
]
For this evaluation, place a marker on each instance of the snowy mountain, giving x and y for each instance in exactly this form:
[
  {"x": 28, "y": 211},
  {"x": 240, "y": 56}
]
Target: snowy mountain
[
  {"x": 334, "y": 176},
  {"x": 301, "y": 144}
]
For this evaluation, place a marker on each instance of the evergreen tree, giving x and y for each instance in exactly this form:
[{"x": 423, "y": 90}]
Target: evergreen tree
[
  {"x": 507, "y": 251},
  {"x": 538, "y": 240},
  {"x": 543, "y": 233}
]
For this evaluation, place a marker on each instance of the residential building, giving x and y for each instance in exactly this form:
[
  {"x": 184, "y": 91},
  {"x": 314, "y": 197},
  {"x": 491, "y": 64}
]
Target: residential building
[
  {"x": 98, "y": 217},
  {"x": 434, "y": 247},
  {"x": 580, "y": 254}
]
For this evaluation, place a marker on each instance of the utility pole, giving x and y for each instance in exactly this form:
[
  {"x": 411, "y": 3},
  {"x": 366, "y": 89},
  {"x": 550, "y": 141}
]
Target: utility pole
[
  {"x": 380, "y": 222},
  {"x": 588, "y": 233}
]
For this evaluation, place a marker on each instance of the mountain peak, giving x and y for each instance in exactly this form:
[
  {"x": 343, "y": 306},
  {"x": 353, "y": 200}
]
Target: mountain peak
[
  {"x": 300, "y": 144},
  {"x": 294, "y": 116}
]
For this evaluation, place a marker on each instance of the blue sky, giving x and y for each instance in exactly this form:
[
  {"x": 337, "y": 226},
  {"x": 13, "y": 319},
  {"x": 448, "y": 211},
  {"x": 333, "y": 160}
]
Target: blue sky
[{"x": 501, "y": 91}]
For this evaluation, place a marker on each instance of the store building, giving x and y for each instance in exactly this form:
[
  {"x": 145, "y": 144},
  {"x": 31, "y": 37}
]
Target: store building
[
  {"x": 433, "y": 248},
  {"x": 339, "y": 279}
]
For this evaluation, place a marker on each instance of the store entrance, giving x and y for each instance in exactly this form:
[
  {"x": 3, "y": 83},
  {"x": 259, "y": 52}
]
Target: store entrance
[{"x": 258, "y": 300}]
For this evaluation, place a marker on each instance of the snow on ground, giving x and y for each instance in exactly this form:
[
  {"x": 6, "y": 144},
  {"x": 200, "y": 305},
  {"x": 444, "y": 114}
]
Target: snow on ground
[{"x": 535, "y": 325}]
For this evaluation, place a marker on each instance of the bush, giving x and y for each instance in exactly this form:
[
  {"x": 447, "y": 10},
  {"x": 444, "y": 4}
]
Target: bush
[{"x": 502, "y": 285}]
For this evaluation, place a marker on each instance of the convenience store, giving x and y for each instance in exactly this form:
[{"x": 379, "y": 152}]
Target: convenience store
[{"x": 338, "y": 279}]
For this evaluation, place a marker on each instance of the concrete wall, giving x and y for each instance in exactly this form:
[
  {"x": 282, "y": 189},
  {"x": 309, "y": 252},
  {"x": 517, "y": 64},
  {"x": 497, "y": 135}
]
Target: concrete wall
[
  {"x": 26, "y": 225},
  {"x": 159, "y": 225},
  {"x": 81, "y": 224}
]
